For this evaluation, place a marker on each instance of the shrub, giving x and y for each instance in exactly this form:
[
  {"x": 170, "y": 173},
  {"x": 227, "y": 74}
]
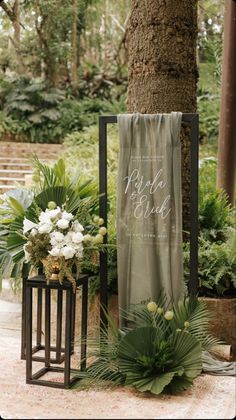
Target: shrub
[{"x": 216, "y": 266}]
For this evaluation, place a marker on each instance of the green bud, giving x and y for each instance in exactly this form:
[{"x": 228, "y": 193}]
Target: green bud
[
  {"x": 152, "y": 307},
  {"x": 102, "y": 231},
  {"x": 51, "y": 205},
  {"x": 169, "y": 315},
  {"x": 98, "y": 239}
]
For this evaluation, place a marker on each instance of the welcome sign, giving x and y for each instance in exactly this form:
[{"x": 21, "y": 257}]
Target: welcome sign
[{"x": 149, "y": 208}]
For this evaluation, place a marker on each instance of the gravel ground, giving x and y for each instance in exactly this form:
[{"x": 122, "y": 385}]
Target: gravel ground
[{"x": 211, "y": 397}]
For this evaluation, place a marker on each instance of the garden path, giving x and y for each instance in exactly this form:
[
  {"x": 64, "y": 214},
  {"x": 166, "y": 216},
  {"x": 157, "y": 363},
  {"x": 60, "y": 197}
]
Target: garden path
[{"x": 211, "y": 397}]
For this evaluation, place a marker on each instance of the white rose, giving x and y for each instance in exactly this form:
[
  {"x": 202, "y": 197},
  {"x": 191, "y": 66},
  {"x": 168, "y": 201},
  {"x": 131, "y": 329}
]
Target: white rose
[
  {"x": 68, "y": 252},
  {"x": 67, "y": 216},
  {"x": 77, "y": 246},
  {"x": 53, "y": 242},
  {"x": 44, "y": 217},
  {"x": 53, "y": 213},
  {"x": 55, "y": 252},
  {"x": 48, "y": 215},
  {"x": 58, "y": 236},
  {"x": 68, "y": 238},
  {"x": 28, "y": 225},
  {"x": 77, "y": 227},
  {"x": 77, "y": 237},
  {"x": 45, "y": 228},
  {"x": 63, "y": 223}
]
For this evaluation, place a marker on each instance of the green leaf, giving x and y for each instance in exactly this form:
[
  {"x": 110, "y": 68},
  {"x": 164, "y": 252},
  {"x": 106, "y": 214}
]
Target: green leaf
[
  {"x": 17, "y": 206},
  {"x": 57, "y": 194}
]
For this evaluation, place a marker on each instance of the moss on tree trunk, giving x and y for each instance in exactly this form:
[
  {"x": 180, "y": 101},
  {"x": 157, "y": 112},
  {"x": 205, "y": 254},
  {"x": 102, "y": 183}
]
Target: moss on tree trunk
[{"x": 163, "y": 72}]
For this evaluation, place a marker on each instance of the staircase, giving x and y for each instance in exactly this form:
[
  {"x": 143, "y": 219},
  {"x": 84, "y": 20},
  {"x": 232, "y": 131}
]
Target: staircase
[{"x": 15, "y": 166}]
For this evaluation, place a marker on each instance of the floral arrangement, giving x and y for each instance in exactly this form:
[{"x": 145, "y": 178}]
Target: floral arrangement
[
  {"x": 160, "y": 350},
  {"x": 58, "y": 240}
]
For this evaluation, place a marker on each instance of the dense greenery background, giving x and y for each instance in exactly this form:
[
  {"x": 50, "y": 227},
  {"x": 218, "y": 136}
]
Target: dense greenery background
[{"x": 66, "y": 63}]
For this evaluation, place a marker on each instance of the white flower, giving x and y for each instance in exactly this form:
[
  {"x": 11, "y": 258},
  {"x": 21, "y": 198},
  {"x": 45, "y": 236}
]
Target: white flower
[
  {"x": 56, "y": 252},
  {"x": 53, "y": 213},
  {"x": 68, "y": 238},
  {"x": 68, "y": 252},
  {"x": 28, "y": 225},
  {"x": 63, "y": 223},
  {"x": 67, "y": 216},
  {"x": 45, "y": 228},
  {"x": 48, "y": 215},
  {"x": 58, "y": 236},
  {"x": 77, "y": 227},
  {"x": 77, "y": 237},
  {"x": 33, "y": 232}
]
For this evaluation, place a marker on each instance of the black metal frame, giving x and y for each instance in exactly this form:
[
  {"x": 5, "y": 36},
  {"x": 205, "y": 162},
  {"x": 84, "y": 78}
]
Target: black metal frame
[
  {"x": 193, "y": 121},
  {"x": 39, "y": 283},
  {"x": 58, "y": 349}
]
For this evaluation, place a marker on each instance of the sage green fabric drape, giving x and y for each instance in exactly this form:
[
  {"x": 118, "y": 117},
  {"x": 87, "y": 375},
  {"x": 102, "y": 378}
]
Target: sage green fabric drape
[{"x": 149, "y": 208}]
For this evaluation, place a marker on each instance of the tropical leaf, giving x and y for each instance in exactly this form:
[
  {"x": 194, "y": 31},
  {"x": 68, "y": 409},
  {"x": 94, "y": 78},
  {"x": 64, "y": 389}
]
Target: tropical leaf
[
  {"x": 17, "y": 206},
  {"x": 187, "y": 354},
  {"x": 154, "y": 385},
  {"x": 56, "y": 194}
]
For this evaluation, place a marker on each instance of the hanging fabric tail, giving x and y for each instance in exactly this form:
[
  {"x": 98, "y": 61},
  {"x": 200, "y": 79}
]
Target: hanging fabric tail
[
  {"x": 213, "y": 366},
  {"x": 149, "y": 208}
]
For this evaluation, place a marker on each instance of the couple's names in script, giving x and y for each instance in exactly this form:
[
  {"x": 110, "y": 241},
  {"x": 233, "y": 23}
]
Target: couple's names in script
[{"x": 141, "y": 192}]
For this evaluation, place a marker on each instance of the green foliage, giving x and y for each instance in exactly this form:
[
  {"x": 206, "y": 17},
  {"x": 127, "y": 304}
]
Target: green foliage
[
  {"x": 153, "y": 354},
  {"x": 207, "y": 174},
  {"x": 215, "y": 213},
  {"x": 216, "y": 266},
  {"x": 208, "y": 109},
  {"x": 34, "y": 106},
  {"x": 33, "y": 111}
]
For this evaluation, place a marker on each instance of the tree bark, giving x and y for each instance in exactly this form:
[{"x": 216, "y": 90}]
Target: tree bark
[
  {"x": 162, "y": 67},
  {"x": 14, "y": 16},
  {"x": 226, "y": 170},
  {"x": 74, "y": 48}
]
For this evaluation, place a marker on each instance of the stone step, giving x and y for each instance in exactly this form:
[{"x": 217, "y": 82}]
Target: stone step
[
  {"x": 15, "y": 166},
  {"x": 10, "y": 180},
  {"x": 15, "y": 171},
  {"x": 4, "y": 188}
]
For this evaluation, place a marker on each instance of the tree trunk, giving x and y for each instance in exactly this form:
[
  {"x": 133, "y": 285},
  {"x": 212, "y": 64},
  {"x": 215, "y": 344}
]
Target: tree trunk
[
  {"x": 14, "y": 16},
  {"x": 74, "y": 48},
  {"x": 17, "y": 37},
  {"x": 162, "y": 67},
  {"x": 227, "y": 135}
]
